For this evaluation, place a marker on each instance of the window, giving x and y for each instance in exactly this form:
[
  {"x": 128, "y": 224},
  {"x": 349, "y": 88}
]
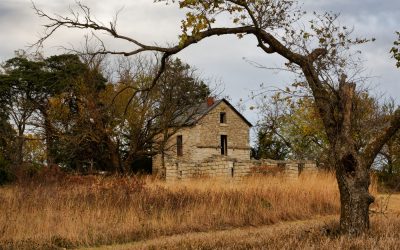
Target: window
[
  {"x": 222, "y": 117},
  {"x": 179, "y": 145},
  {"x": 224, "y": 145}
]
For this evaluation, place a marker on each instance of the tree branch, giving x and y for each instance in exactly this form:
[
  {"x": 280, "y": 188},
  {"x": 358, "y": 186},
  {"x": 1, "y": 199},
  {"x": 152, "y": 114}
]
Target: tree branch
[
  {"x": 346, "y": 95},
  {"x": 375, "y": 145}
]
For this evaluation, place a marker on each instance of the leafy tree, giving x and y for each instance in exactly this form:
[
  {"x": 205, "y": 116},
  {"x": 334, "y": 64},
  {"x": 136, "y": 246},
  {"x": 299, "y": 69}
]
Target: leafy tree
[
  {"x": 112, "y": 126},
  {"x": 295, "y": 124},
  {"x": 7, "y": 134},
  {"x": 7, "y": 139},
  {"x": 271, "y": 143},
  {"x": 305, "y": 132},
  {"x": 140, "y": 117},
  {"x": 319, "y": 53},
  {"x": 292, "y": 120},
  {"x": 16, "y": 103},
  {"x": 79, "y": 119},
  {"x": 32, "y": 83},
  {"x": 34, "y": 150}
]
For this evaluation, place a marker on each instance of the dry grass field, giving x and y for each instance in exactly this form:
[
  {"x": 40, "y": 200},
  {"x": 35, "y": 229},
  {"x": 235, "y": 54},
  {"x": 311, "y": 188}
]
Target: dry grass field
[
  {"x": 309, "y": 234},
  {"x": 139, "y": 213}
]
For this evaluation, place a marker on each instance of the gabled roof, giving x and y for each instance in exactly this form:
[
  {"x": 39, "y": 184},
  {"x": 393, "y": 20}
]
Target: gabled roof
[{"x": 203, "y": 109}]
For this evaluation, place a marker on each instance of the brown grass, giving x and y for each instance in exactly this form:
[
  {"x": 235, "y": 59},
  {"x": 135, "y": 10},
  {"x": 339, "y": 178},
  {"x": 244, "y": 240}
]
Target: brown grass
[
  {"x": 89, "y": 211},
  {"x": 311, "y": 234}
]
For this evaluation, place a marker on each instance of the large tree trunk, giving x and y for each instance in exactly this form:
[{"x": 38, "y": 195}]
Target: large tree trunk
[
  {"x": 48, "y": 130},
  {"x": 20, "y": 144},
  {"x": 20, "y": 141},
  {"x": 115, "y": 159},
  {"x": 355, "y": 201},
  {"x": 352, "y": 167}
]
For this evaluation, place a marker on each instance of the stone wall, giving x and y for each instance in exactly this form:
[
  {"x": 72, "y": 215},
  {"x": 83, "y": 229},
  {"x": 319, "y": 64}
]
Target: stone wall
[
  {"x": 224, "y": 167},
  {"x": 190, "y": 139},
  {"x": 202, "y": 140},
  {"x": 210, "y": 130}
]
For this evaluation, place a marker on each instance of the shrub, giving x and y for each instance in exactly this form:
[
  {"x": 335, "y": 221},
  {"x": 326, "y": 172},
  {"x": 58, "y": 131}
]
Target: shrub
[
  {"x": 389, "y": 182},
  {"x": 6, "y": 175}
]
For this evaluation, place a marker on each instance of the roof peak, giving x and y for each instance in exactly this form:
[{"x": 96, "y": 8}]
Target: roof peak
[{"x": 216, "y": 103}]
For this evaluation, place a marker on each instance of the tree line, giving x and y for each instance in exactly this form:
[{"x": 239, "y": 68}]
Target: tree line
[
  {"x": 317, "y": 49},
  {"x": 63, "y": 110},
  {"x": 291, "y": 128}
]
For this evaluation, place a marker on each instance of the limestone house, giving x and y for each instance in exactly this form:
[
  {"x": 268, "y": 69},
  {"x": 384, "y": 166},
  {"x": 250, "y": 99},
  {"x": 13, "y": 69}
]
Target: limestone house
[{"x": 217, "y": 131}]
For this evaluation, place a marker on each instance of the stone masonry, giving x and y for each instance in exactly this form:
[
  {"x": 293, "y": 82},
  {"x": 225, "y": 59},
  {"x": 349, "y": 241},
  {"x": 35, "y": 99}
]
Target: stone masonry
[
  {"x": 223, "y": 168},
  {"x": 202, "y": 139},
  {"x": 202, "y": 154}
]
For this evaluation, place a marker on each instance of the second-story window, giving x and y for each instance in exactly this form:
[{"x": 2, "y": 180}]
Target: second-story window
[
  {"x": 179, "y": 145},
  {"x": 222, "y": 117}
]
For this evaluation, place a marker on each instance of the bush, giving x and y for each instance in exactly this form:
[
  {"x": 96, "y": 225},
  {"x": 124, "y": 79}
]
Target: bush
[
  {"x": 389, "y": 182},
  {"x": 31, "y": 173},
  {"x": 6, "y": 175}
]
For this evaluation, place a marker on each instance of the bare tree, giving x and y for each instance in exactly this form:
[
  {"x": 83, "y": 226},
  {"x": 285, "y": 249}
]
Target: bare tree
[
  {"x": 320, "y": 52},
  {"x": 147, "y": 119}
]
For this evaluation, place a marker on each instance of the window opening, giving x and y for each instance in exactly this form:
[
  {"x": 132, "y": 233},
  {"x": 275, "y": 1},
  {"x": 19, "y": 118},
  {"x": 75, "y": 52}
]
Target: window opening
[
  {"x": 222, "y": 117},
  {"x": 179, "y": 145},
  {"x": 224, "y": 145}
]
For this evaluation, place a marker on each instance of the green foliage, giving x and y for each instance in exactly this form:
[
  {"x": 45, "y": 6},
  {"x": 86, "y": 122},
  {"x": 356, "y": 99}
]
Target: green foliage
[
  {"x": 269, "y": 145},
  {"x": 138, "y": 117},
  {"x": 396, "y": 50},
  {"x": 32, "y": 84},
  {"x": 290, "y": 128},
  {"x": 40, "y": 79},
  {"x": 78, "y": 114},
  {"x": 180, "y": 87},
  {"x": 112, "y": 126},
  {"x": 269, "y": 14},
  {"x": 6, "y": 175},
  {"x": 7, "y": 138}
]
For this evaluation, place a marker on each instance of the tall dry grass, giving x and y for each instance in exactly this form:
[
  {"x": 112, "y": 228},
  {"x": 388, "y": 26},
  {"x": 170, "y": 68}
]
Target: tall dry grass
[
  {"x": 85, "y": 211},
  {"x": 311, "y": 234}
]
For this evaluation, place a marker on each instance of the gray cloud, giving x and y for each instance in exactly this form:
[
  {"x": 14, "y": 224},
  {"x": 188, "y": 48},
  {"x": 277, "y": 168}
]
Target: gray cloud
[{"x": 217, "y": 58}]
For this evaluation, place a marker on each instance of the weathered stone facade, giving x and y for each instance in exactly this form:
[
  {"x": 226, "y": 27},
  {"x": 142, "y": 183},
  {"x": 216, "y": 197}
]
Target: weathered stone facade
[
  {"x": 201, "y": 153},
  {"x": 225, "y": 167},
  {"x": 202, "y": 139}
]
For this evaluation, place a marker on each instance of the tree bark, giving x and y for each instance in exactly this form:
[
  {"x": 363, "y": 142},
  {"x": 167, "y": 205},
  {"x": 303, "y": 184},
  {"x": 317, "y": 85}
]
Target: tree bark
[
  {"x": 115, "y": 159},
  {"x": 355, "y": 199},
  {"x": 20, "y": 149},
  {"x": 49, "y": 140},
  {"x": 352, "y": 170}
]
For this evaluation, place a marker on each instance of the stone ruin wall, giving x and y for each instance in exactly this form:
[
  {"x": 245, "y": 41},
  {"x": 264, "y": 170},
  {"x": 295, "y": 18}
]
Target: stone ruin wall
[{"x": 223, "y": 168}]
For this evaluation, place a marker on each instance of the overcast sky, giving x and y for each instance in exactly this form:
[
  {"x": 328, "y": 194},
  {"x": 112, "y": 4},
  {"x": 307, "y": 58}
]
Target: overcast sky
[{"x": 220, "y": 59}]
